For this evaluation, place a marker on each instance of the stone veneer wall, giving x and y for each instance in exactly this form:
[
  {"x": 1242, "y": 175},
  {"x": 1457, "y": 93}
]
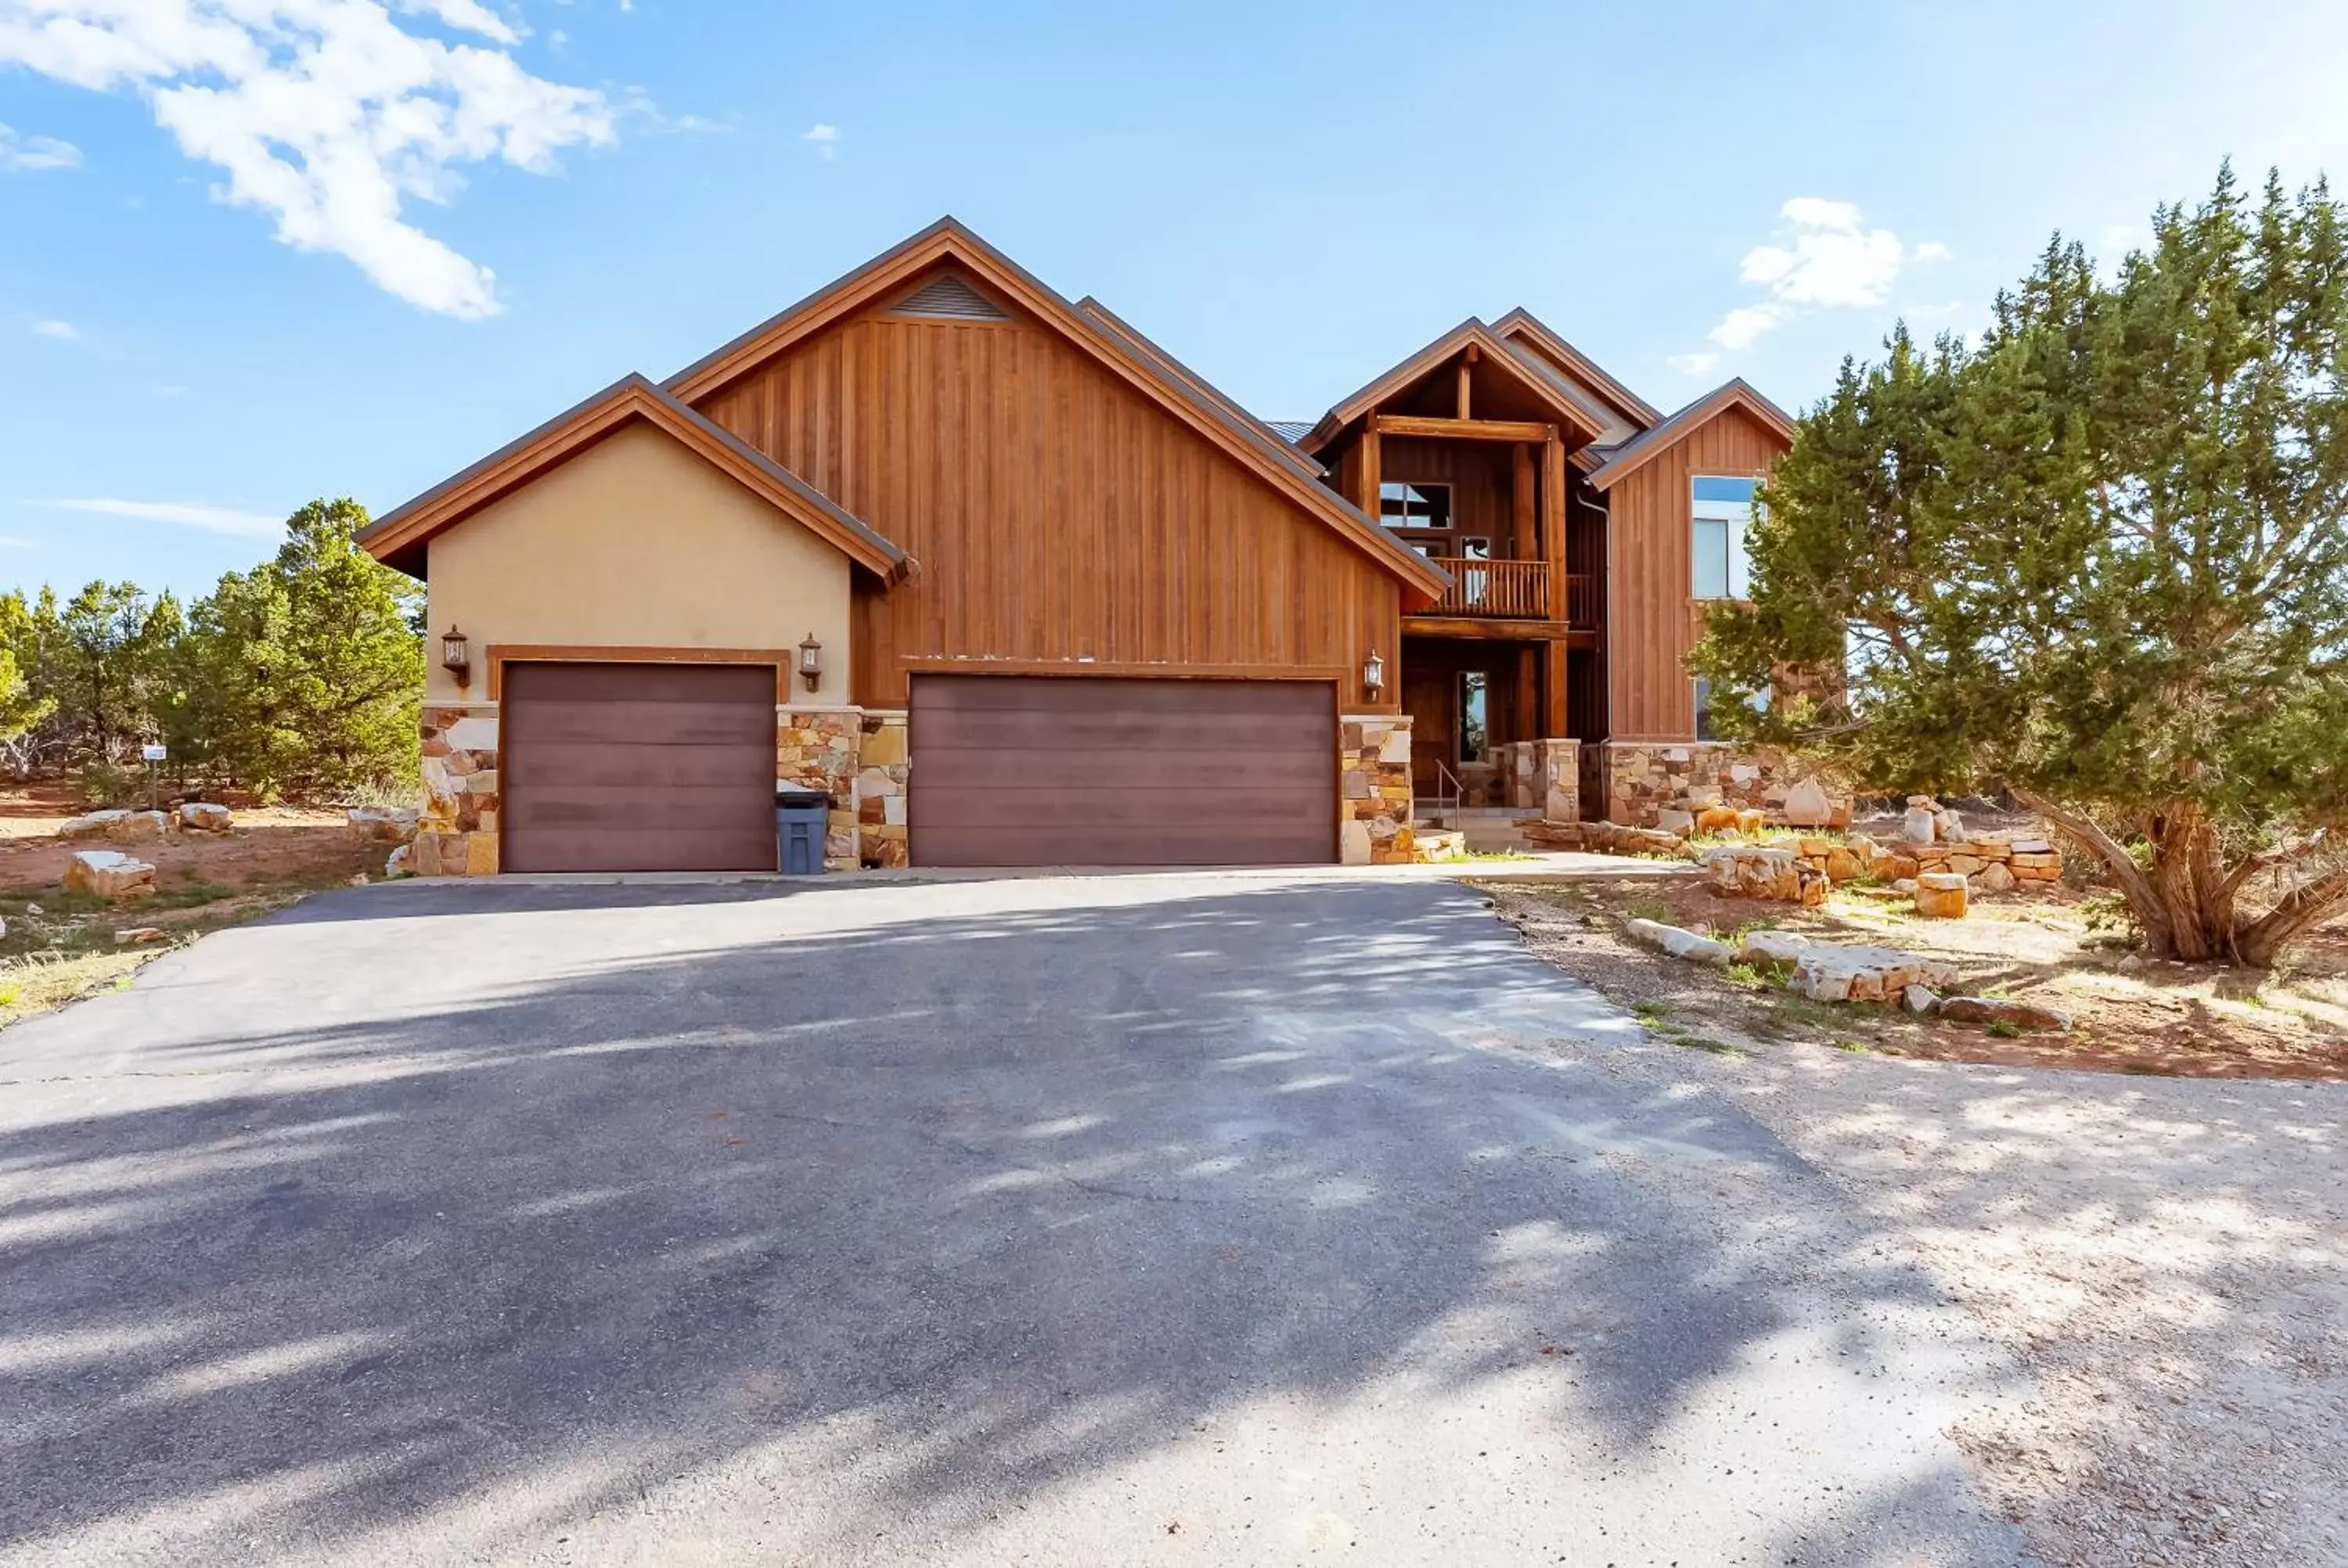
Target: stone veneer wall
[
  {"x": 884, "y": 768},
  {"x": 457, "y": 828},
  {"x": 1374, "y": 825},
  {"x": 1545, "y": 776},
  {"x": 1644, "y": 779},
  {"x": 815, "y": 749}
]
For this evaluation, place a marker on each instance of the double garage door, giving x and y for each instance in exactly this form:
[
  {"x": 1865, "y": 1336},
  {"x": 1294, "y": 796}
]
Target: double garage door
[{"x": 671, "y": 767}]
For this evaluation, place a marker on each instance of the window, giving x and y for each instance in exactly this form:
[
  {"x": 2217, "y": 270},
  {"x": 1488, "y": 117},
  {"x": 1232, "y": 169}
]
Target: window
[
  {"x": 1473, "y": 738},
  {"x": 1721, "y": 511},
  {"x": 1415, "y": 506}
]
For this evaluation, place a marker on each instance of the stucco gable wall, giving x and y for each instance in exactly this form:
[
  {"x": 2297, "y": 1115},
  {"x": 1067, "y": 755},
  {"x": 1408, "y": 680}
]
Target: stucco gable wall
[{"x": 637, "y": 542}]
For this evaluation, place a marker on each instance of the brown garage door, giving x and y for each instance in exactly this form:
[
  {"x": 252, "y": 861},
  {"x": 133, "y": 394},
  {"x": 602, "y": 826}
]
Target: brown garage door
[
  {"x": 1075, "y": 771},
  {"x": 638, "y": 768}
]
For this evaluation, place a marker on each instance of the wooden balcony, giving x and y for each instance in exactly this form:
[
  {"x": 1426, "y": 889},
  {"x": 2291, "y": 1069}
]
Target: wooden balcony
[{"x": 1511, "y": 590}]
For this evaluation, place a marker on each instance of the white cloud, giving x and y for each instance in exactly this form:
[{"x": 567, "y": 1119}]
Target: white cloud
[
  {"x": 35, "y": 154},
  {"x": 17, "y": 542},
  {"x": 326, "y": 114},
  {"x": 1826, "y": 258},
  {"x": 50, "y": 327},
  {"x": 826, "y": 138},
  {"x": 1693, "y": 364},
  {"x": 185, "y": 514}
]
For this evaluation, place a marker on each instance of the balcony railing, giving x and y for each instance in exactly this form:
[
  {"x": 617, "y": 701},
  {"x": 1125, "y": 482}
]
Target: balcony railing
[{"x": 1511, "y": 590}]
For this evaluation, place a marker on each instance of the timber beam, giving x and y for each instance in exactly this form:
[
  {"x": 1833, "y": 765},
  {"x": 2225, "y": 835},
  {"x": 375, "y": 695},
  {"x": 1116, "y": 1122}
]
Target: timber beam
[{"x": 1462, "y": 429}]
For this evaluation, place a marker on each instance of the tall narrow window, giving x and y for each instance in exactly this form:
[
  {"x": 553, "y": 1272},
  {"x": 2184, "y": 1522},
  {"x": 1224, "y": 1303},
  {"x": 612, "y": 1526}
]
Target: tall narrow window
[
  {"x": 1721, "y": 509},
  {"x": 1474, "y": 740}
]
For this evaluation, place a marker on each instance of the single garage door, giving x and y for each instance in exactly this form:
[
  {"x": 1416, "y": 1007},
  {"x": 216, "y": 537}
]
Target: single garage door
[
  {"x": 1079, "y": 771},
  {"x": 638, "y": 768}
]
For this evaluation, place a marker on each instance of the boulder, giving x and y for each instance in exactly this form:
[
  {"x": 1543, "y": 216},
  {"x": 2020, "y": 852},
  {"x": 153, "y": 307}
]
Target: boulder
[
  {"x": 1832, "y": 972},
  {"x": 1950, "y": 826},
  {"x": 1807, "y": 805},
  {"x": 97, "y": 825},
  {"x": 2026, "y": 1016},
  {"x": 204, "y": 816},
  {"x": 1766, "y": 946},
  {"x": 1674, "y": 821},
  {"x": 139, "y": 934},
  {"x": 382, "y": 824},
  {"x": 110, "y": 874},
  {"x": 1843, "y": 865},
  {"x": 1940, "y": 896},
  {"x": 1678, "y": 943},
  {"x": 397, "y": 863},
  {"x": 1995, "y": 878},
  {"x": 1920, "y": 825},
  {"x": 139, "y": 827},
  {"x": 1920, "y": 999}
]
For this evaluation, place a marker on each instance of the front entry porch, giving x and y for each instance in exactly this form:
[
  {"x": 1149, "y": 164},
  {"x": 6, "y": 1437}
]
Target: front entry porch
[{"x": 1476, "y": 708}]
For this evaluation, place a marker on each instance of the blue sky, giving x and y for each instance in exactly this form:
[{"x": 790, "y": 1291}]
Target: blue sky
[{"x": 257, "y": 251}]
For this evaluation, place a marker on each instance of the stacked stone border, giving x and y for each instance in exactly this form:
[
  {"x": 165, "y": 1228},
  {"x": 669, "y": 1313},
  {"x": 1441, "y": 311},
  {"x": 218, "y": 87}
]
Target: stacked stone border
[{"x": 1645, "y": 781}]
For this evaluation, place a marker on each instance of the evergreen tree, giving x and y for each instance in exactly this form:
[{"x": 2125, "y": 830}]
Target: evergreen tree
[{"x": 2100, "y": 557}]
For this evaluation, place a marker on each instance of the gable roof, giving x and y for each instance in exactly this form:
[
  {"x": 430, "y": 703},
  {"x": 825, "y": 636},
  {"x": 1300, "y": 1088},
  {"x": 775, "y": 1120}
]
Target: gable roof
[
  {"x": 1198, "y": 384},
  {"x": 1521, "y": 325},
  {"x": 1146, "y": 371},
  {"x": 1648, "y": 445},
  {"x": 398, "y": 538},
  {"x": 1495, "y": 352}
]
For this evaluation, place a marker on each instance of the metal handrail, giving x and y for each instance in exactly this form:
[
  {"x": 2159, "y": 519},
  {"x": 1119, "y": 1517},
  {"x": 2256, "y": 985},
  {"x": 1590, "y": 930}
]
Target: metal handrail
[{"x": 1447, "y": 817}]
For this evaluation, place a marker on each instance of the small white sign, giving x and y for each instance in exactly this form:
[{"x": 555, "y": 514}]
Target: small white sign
[{"x": 152, "y": 753}]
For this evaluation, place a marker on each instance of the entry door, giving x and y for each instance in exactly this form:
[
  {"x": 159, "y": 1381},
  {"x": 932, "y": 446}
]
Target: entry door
[
  {"x": 638, "y": 768},
  {"x": 1081, "y": 770}
]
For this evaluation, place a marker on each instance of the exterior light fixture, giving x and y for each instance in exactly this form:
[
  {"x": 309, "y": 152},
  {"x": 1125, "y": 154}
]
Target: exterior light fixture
[
  {"x": 811, "y": 661},
  {"x": 1373, "y": 676},
  {"x": 455, "y": 656}
]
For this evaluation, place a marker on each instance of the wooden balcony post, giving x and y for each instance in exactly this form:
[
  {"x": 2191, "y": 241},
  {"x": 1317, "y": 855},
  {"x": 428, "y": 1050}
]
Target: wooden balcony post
[
  {"x": 1523, "y": 538},
  {"x": 1554, "y": 716},
  {"x": 1369, "y": 465},
  {"x": 1466, "y": 360}
]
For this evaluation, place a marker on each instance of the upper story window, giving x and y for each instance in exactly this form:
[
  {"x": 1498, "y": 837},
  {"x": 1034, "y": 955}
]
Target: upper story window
[
  {"x": 1721, "y": 511},
  {"x": 1404, "y": 506}
]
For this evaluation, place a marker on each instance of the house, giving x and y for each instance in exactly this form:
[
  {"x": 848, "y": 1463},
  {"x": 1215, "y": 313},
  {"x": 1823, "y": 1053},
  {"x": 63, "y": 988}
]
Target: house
[{"x": 1009, "y": 585}]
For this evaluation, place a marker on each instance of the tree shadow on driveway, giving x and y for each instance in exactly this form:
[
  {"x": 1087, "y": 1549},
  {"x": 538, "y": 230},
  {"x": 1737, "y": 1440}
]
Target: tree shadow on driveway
[{"x": 856, "y": 1227}]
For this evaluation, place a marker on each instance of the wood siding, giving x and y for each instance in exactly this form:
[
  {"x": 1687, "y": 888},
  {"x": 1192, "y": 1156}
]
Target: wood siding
[
  {"x": 1055, "y": 514},
  {"x": 1653, "y": 619}
]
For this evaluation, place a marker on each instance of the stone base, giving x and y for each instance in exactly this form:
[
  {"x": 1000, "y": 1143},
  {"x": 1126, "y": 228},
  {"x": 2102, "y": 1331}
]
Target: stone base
[
  {"x": 1643, "y": 780},
  {"x": 1544, "y": 776},
  {"x": 1374, "y": 806}
]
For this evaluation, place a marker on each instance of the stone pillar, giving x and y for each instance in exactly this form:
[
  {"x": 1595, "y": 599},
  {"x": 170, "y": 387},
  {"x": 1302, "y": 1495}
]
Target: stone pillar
[
  {"x": 1554, "y": 776},
  {"x": 817, "y": 749},
  {"x": 1374, "y": 806},
  {"x": 457, "y": 828},
  {"x": 884, "y": 768}
]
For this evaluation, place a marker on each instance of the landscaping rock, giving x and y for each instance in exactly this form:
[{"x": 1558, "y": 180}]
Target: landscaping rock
[
  {"x": 204, "y": 816},
  {"x": 1905, "y": 886},
  {"x": 1950, "y": 826},
  {"x": 1940, "y": 896},
  {"x": 110, "y": 874},
  {"x": 133, "y": 935},
  {"x": 1830, "y": 972},
  {"x": 1995, "y": 878},
  {"x": 139, "y": 827},
  {"x": 1673, "y": 820},
  {"x": 1770, "y": 947},
  {"x": 1920, "y": 999},
  {"x": 1920, "y": 825},
  {"x": 382, "y": 824},
  {"x": 2028, "y": 1016},
  {"x": 398, "y": 862},
  {"x": 1807, "y": 805},
  {"x": 1753, "y": 871},
  {"x": 97, "y": 825},
  {"x": 1678, "y": 943}
]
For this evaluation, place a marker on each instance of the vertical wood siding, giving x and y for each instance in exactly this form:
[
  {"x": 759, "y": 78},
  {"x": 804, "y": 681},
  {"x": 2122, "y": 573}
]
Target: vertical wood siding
[
  {"x": 1653, "y": 619},
  {"x": 1056, "y": 515}
]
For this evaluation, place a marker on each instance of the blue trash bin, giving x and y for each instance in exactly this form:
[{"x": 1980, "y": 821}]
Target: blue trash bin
[{"x": 802, "y": 817}]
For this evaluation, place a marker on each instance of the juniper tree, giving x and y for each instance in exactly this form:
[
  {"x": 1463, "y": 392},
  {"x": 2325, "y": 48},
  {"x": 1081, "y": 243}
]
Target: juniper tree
[{"x": 2097, "y": 558}]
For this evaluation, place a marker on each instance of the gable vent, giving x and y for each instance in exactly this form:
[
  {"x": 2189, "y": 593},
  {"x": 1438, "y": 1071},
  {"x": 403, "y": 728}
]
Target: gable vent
[{"x": 951, "y": 298}]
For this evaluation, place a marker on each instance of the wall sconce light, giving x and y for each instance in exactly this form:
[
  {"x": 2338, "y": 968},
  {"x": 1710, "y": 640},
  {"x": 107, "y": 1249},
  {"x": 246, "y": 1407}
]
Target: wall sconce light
[
  {"x": 455, "y": 655},
  {"x": 1373, "y": 676},
  {"x": 811, "y": 661}
]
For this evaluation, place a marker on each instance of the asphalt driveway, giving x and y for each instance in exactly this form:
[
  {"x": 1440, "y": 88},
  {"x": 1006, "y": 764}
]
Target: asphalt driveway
[{"x": 1139, "y": 1219}]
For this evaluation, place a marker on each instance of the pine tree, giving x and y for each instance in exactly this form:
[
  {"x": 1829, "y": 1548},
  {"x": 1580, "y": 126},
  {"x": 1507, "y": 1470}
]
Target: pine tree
[{"x": 2099, "y": 558}]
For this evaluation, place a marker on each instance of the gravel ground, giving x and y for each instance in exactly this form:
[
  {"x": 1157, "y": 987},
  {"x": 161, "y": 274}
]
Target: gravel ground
[{"x": 2166, "y": 1258}]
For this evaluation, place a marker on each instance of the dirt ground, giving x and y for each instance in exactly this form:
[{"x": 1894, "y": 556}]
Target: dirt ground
[
  {"x": 2062, "y": 948},
  {"x": 60, "y": 946}
]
